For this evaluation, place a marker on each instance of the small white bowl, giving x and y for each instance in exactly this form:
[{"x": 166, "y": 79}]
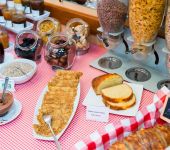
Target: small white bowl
[{"x": 23, "y": 78}]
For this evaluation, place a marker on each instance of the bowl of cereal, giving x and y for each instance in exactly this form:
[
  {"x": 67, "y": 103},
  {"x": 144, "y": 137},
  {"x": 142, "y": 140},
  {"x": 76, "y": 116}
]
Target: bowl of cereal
[{"x": 19, "y": 70}]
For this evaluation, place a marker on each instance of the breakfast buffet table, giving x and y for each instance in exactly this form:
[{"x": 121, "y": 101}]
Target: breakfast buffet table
[{"x": 18, "y": 135}]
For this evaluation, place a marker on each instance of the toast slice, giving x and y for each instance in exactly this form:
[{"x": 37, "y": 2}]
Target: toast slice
[
  {"x": 118, "y": 93},
  {"x": 121, "y": 105},
  {"x": 105, "y": 81}
]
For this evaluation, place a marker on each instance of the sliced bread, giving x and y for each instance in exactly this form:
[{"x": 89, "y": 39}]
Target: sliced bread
[
  {"x": 106, "y": 81},
  {"x": 118, "y": 93},
  {"x": 121, "y": 105}
]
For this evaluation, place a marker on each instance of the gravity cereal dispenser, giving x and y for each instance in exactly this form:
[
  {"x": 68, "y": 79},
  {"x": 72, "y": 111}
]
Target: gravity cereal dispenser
[{"x": 112, "y": 16}]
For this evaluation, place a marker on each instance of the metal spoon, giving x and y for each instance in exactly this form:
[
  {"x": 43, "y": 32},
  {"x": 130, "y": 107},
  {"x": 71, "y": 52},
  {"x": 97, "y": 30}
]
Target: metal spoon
[
  {"x": 47, "y": 119},
  {"x": 4, "y": 90}
]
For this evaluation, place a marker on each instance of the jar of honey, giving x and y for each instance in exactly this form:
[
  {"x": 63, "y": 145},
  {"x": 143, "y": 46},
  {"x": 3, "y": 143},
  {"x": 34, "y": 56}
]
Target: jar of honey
[
  {"x": 37, "y": 7},
  {"x": 18, "y": 20},
  {"x": 4, "y": 38},
  {"x": 26, "y": 5}
]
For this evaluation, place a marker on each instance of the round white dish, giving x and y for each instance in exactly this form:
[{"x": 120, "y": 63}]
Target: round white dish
[
  {"x": 24, "y": 78},
  {"x": 12, "y": 114}
]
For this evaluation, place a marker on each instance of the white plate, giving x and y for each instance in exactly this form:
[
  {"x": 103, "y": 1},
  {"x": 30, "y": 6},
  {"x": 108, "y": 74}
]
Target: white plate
[
  {"x": 24, "y": 78},
  {"x": 15, "y": 30},
  {"x": 38, "y": 106},
  {"x": 93, "y": 100},
  {"x": 12, "y": 114},
  {"x": 37, "y": 18}
]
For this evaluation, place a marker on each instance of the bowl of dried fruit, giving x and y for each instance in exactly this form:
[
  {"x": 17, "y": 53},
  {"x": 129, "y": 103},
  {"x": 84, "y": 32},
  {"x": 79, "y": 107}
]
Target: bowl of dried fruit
[{"x": 19, "y": 70}]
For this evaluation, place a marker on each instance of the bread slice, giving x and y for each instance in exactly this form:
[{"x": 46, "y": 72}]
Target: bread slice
[
  {"x": 118, "y": 93},
  {"x": 121, "y": 105},
  {"x": 106, "y": 81}
]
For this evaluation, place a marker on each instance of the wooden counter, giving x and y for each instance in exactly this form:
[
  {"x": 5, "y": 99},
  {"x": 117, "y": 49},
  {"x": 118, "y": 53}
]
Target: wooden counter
[{"x": 64, "y": 11}]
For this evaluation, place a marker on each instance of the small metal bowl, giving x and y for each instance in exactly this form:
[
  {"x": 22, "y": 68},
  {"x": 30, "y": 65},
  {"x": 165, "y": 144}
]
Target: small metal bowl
[
  {"x": 163, "y": 83},
  {"x": 138, "y": 74},
  {"x": 110, "y": 63}
]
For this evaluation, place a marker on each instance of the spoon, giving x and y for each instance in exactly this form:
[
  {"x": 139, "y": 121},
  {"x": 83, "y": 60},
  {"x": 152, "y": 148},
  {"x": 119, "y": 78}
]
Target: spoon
[
  {"x": 4, "y": 90},
  {"x": 47, "y": 119}
]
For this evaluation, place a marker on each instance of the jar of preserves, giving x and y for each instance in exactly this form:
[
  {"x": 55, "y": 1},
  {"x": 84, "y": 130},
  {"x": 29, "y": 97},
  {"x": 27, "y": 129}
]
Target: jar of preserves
[
  {"x": 60, "y": 52},
  {"x": 48, "y": 27},
  {"x": 2, "y": 5},
  {"x": 145, "y": 19},
  {"x": 4, "y": 38},
  {"x": 37, "y": 7},
  {"x": 112, "y": 16},
  {"x": 26, "y": 5},
  {"x": 28, "y": 45},
  {"x": 2, "y": 53},
  {"x": 7, "y": 13},
  {"x": 18, "y": 20},
  {"x": 78, "y": 31}
]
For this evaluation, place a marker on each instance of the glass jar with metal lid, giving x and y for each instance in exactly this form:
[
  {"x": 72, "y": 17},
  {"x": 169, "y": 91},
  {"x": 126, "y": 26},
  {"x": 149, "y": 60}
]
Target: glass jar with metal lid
[
  {"x": 48, "y": 27},
  {"x": 28, "y": 45},
  {"x": 60, "y": 52},
  {"x": 78, "y": 30}
]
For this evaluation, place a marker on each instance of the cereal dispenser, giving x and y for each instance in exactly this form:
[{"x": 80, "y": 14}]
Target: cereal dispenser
[
  {"x": 145, "y": 19},
  {"x": 112, "y": 15},
  {"x": 167, "y": 36}
]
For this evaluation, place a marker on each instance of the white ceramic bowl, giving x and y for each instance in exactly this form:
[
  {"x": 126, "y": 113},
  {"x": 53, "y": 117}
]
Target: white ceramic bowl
[{"x": 23, "y": 78}]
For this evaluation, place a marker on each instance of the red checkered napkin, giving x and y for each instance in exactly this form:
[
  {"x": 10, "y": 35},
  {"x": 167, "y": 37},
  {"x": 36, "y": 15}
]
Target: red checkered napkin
[{"x": 145, "y": 118}]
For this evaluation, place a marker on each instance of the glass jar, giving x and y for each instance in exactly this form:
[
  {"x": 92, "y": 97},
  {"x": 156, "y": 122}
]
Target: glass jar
[
  {"x": 28, "y": 45},
  {"x": 26, "y": 5},
  {"x": 37, "y": 7},
  {"x": 78, "y": 31},
  {"x": 7, "y": 13},
  {"x": 2, "y": 6},
  {"x": 19, "y": 20},
  {"x": 60, "y": 52},
  {"x": 2, "y": 53},
  {"x": 48, "y": 27},
  {"x": 112, "y": 16},
  {"x": 145, "y": 19},
  {"x": 4, "y": 38}
]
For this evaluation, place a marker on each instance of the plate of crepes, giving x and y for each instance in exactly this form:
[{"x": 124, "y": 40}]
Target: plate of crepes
[
  {"x": 60, "y": 100},
  {"x": 111, "y": 91}
]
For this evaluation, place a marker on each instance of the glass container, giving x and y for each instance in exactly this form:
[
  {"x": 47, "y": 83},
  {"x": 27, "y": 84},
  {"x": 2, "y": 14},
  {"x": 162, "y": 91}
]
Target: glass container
[
  {"x": 28, "y": 45},
  {"x": 112, "y": 16},
  {"x": 4, "y": 38},
  {"x": 2, "y": 6},
  {"x": 145, "y": 19},
  {"x": 2, "y": 53},
  {"x": 78, "y": 31},
  {"x": 7, "y": 13},
  {"x": 26, "y": 5},
  {"x": 60, "y": 52},
  {"x": 48, "y": 27},
  {"x": 37, "y": 7},
  {"x": 19, "y": 20}
]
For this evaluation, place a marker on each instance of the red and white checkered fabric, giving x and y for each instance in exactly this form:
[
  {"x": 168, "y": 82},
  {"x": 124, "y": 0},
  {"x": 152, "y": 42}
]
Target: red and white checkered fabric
[{"x": 145, "y": 118}]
